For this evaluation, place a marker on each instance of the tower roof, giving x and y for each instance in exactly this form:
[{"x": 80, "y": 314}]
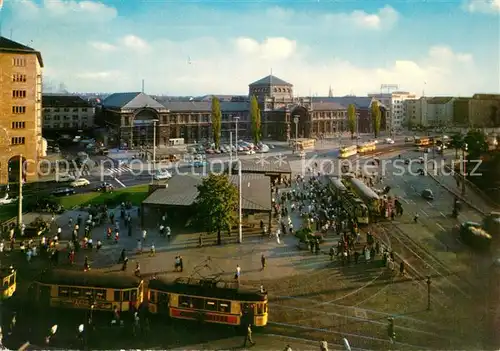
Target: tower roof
[{"x": 270, "y": 80}]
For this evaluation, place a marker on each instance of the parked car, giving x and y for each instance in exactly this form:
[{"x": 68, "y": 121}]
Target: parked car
[
  {"x": 63, "y": 178},
  {"x": 63, "y": 192},
  {"x": 80, "y": 182},
  {"x": 162, "y": 175}
]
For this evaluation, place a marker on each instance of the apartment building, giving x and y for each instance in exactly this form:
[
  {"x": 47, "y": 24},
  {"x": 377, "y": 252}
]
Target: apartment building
[
  {"x": 484, "y": 110},
  {"x": 20, "y": 108},
  {"x": 65, "y": 112},
  {"x": 395, "y": 102},
  {"x": 429, "y": 111}
]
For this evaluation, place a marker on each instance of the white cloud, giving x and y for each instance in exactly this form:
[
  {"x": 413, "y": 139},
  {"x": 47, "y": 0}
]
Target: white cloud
[
  {"x": 102, "y": 46},
  {"x": 269, "y": 49},
  {"x": 385, "y": 18},
  {"x": 134, "y": 42},
  {"x": 482, "y": 6},
  {"x": 66, "y": 10},
  {"x": 97, "y": 76}
]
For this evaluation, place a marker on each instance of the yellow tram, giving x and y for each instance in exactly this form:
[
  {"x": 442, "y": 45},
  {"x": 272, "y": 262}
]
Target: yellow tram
[
  {"x": 8, "y": 276},
  {"x": 348, "y": 151},
  {"x": 208, "y": 300},
  {"x": 78, "y": 289},
  {"x": 367, "y": 147}
]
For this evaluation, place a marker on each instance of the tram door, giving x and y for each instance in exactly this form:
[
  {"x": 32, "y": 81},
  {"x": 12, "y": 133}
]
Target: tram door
[
  {"x": 163, "y": 303},
  {"x": 44, "y": 294},
  {"x": 247, "y": 313}
]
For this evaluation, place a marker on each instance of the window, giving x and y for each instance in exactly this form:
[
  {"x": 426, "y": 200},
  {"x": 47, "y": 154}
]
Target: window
[
  {"x": 18, "y": 125},
  {"x": 100, "y": 294},
  {"x": 19, "y": 61},
  {"x": 84, "y": 109},
  {"x": 117, "y": 295},
  {"x": 225, "y": 306},
  {"x": 260, "y": 308},
  {"x": 75, "y": 124},
  {"x": 211, "y": 305},
  {"x": 6, "y": 283},
  {"x": 88, "y": 293},
  {"x": 152, "y": 296},
  {"x": 126, "y": 295},
  {"x": 19, "y": 78},
  {"x": 75, "y": 110},
  {"x": 184, "y": 301},
  {"x": 133, "y": 295},
  {"x": 17, "y": 141},
  {"x": 56, "y": 125},
  {"x": 163, "y": 298},
  {"x": 18, "y": 94},
  {"x": 76, "y": 292},
  {"x": 17, "y": 110},
  {"x": 75, "y": 116},
  {"x": 63, "y": 292},
  {"x": 66, "y": 109}
]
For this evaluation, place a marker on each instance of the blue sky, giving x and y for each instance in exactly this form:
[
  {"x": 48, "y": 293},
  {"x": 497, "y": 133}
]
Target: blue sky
[{"x": 202, "y": 47}]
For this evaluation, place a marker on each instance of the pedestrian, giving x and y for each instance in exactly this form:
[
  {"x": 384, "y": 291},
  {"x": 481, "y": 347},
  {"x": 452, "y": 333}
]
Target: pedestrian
[
  {"x": 139, "y": 246},
  {"x": 415, "y": 218},
  {"x": 137, "y": 270},
  {"x": 124, "y": 265},
  {"x": 248, "y": 336},
  {"x": 169, "y": 233},
  {"x": 200, "y": 241},
  {"x": 144, "y": 234},
  {"x": 181, "y": 263},
  {"x": 238, "y": 272},
  {"x": 323, "y": 345},
  {"x": 152, "y": 252},
  {"x": 263, "y": 261},
  {"x": 287, "y": 348},
  {"x": 356, "y": 257},
  {"x": 331, "y": 253},
  {"x": 86, "y": 265},
  {"x": 278, "y": 233}
]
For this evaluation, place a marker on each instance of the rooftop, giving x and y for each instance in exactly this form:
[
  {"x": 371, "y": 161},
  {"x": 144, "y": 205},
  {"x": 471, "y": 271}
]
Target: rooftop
[
  {"x": 266, "y": 165},
  {"x": 132, "y": 100},
  {"x": 182, "y": 191},
  {"x": 7, "y": 45},
  {"x": 270, "y": 81},
  {"x": 362, "y": 102},
  {"x": 64, "y": 101},
  {"x": 328, "y": 106}
]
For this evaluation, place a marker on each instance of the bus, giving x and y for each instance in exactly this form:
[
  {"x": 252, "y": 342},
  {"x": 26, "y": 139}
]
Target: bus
[
  {"x": 423, "y": 141},
  {"x": 350, "y": 202},
  {"x": 8, "y": 276},
  {"x": 369, "y": 197},
  {"x": 83, "y": 290},
  {"x": 348, "y": 151},
  {"x": 208, "y": 300},
  {"x": 367, "y": 147}
]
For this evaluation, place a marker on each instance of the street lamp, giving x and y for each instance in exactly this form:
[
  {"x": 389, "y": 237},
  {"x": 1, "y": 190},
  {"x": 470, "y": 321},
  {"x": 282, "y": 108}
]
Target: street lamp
[
  {"x": 296, "y": 121},
  {"x": 428, "y": 292},
  {"x": 154, "y": 151},
  {"x": 464, "y": 149},
  {"x": 236, "y": 120}
]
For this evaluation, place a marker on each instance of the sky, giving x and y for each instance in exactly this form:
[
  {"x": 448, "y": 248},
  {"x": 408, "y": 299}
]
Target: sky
[{"x": 192, "y": 48}]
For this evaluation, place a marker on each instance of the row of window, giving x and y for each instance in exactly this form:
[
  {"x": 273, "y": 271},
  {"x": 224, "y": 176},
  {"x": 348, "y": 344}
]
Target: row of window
[
  {"x": 17, "y": 110},
  {"x": 18, "y": 141},
  {"x": 19, "y": 78},
  {"x": 18, "y": 125},
  {"x": 19, "y": 61},
  {"x": 65, "y": 118},
  {"x": 64, "y": 125},
  {"x": 66, "y": 109},
  {"x": 205, "y": 304},
  {"x": 18, "y": 94},
  {"x": 91, "y": 294}
]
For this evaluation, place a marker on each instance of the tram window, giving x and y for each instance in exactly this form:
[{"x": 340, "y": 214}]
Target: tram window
[
  {"x": 164, "y": 298},
  {"x": 184, "y": 301},
  {"x": 88, "y": 293},
  {"x": 224, "y": 306},
  {"x": 197, "y": 303},
  {"x": 117, "y": 295},
  {"x": 133, "y": 295},
  {"x": 76, "y": 292},
  {"x": 265, "y": 308},
  {"x": 126, "y": 295},
  {"x": 63, "y": 292},
  {"x": 211, "y": 305},
  {"x": 100, "y": 294},
  {"x": 152, "y": 296},
  {"x": 12, "y": 280},
  {"x": 260, "y": 308},
  {"x": 5, "y": 283}
]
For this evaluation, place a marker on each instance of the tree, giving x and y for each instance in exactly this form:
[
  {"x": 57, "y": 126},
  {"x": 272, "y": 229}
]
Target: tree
[
  {"x": 216, "y": 204},
  {"x": 255, "y": 118},
  {"x": 457, "y": 142},
  {"x": 216, "y": 121},
  {"x": 376, "y": 118},
  {"x": 351, "y": 119},
  {"x": 476, "y": 143}
]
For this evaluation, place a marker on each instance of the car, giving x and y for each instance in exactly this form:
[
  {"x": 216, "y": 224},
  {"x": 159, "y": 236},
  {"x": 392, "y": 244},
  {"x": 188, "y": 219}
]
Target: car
[
  {"x": 80, "y": 182},
  {"x": 63, "y": 192},
  {"x": 105, "y": 187},
  {"x": 162, "y": 175},
  {"x": 264, "y": 148},
  {"x": 427, "y": 194},
  {"x": 6, "y": 200},
  {"x": 409, "y": 139},
  {"x": 63, "y": 178},
  {"x": 249, "y": 152},
  {"x": 199, "y": 163},
  {"x": 389, "y": 141}
]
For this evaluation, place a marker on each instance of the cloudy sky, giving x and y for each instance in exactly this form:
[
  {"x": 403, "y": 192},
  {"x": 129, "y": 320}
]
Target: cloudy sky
[{"x": 219, "y": 46}]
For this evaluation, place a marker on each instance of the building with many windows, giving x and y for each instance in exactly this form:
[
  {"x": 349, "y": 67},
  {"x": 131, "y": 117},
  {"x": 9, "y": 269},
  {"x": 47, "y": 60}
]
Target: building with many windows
[
  {"x": 395, "y": 102},
  {"x": 429, "y": 111},
  {"x": 66, "y": 112},
  {"x": 20, "y": 108},
  {"x": 132, "y": 118}
]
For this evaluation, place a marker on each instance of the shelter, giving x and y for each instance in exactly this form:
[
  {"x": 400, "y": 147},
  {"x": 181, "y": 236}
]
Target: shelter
[
  {"x": 274, "y": 167},
  {"x": 179, "y": 195}
]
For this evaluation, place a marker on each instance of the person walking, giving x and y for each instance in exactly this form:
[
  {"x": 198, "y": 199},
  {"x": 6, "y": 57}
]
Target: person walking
[
  {"x": 248, "y": 336},
  {"x": 263, "y": 261}
]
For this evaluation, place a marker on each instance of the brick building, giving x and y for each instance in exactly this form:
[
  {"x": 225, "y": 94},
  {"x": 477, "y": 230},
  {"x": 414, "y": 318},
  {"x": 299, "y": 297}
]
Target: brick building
[{"x": 20, "y": 108}]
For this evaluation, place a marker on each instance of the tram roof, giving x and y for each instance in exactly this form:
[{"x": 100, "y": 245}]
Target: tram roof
[
  {"x": 338, "y": 183},
  {"x": 223, "y": 289},
  {"x": 362, "y": 187},
  {"x": 91, "y": 279}
]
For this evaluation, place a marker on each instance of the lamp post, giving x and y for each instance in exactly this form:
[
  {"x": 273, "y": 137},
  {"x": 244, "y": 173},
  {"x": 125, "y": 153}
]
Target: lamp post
[
  {"x": 154, "y": 151},
  {"x": 296, "y": 121},
  {"x": 236, "y": 120},
  {"x": 20, "y": 200},
  {"x": 428, "y": 292},
  {"x": 357, "y": 128},
  {"x": 464, "y": 149}
]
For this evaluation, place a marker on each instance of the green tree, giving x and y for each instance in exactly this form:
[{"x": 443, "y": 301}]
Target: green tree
[
  {"x": 351, "y": 119},
  {"x": 477, "y": 143},
  {"x": 376, "y": 118},
  {"x": 216, "y": 204},
  {"x": 255, "y": 118},
  {"x": 457, "y": 142},
  {"x": 216, "y": 121}
]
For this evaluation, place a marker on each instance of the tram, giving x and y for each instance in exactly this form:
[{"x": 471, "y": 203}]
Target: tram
[
  {"x": 208, "y": 300},
  {"x": 426, "y": 141},
  {"x": 83, "y": 290},
  {"x": 350, "y": 202},
  {"x": 9, "y": 285},
  {"x": 348, "y": 151},
  {"x": 367, "y": 147},
  {"x": 369, "y": 197}
]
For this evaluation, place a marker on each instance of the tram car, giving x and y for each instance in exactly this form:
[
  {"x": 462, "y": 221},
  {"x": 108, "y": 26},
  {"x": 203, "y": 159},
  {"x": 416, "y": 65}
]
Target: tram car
[
  {"x": 207, "y": 300},
  {"x": 83, "y": 290},
  {"x": 367, "y": 147},
  {"x": 9, "y": 285},
  {"x": 348, "y": 151}
]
